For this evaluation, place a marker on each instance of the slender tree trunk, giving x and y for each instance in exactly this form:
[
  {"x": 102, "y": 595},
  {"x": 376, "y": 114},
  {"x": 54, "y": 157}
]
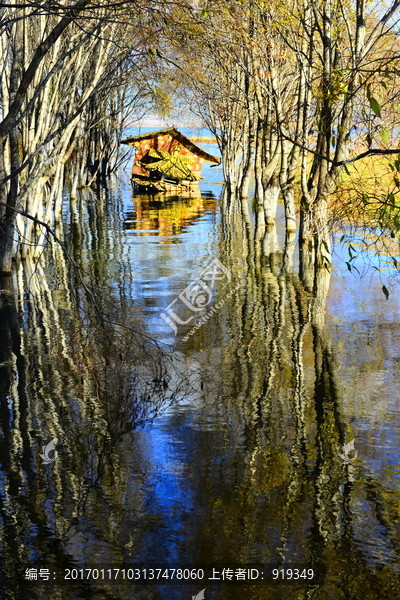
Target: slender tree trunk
[
  {"x": 271, "y": 196},
  {"x": 9, "y": 233}
]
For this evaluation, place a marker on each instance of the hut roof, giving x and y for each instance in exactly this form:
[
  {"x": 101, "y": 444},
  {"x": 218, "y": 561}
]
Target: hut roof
[
  {"x": 169, "y": 164},
  {"x": 185, "y": 141}
]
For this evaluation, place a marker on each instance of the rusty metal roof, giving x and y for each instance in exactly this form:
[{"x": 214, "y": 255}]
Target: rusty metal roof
[{"x": 185, "y": 141}]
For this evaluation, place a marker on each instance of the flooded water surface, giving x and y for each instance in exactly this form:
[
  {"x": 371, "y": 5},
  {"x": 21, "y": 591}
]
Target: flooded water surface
[{"x": 210, "y": 409}]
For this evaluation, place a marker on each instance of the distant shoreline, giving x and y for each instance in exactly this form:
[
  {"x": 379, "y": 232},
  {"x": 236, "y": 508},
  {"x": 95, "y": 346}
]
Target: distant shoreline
[{"x": 204, "y": 140}]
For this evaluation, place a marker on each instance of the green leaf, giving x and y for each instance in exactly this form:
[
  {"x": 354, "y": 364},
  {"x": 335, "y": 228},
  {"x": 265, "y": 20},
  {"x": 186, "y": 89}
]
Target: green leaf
[
  {"x": 385, "y": 136},
  {"x": 374, "y": 104},
  {"x": 325, "y": 245},
  {"x": 385, "y": 291}
]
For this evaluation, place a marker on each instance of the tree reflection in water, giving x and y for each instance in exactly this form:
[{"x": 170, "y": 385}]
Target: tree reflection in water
[
  {"x": 70, "y": 373},
  {"x": 264, "y": 475},
  {"x": 288, "y": 496}
]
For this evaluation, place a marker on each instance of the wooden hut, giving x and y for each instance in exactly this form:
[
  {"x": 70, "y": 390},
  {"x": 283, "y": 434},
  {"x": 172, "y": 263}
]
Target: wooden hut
[{"x": 167, "y": 159}]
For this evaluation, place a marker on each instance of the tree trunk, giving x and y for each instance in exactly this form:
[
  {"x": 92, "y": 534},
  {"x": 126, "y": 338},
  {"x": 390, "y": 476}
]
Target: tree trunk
[{"x": 271, "y": 195}]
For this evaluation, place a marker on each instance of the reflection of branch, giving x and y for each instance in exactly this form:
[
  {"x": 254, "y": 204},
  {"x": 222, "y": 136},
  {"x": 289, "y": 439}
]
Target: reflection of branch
[
  {"x": 38, "y": 222},
  {"x": 101, "y": 316},
  {"x": 375, "y": 493}
]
